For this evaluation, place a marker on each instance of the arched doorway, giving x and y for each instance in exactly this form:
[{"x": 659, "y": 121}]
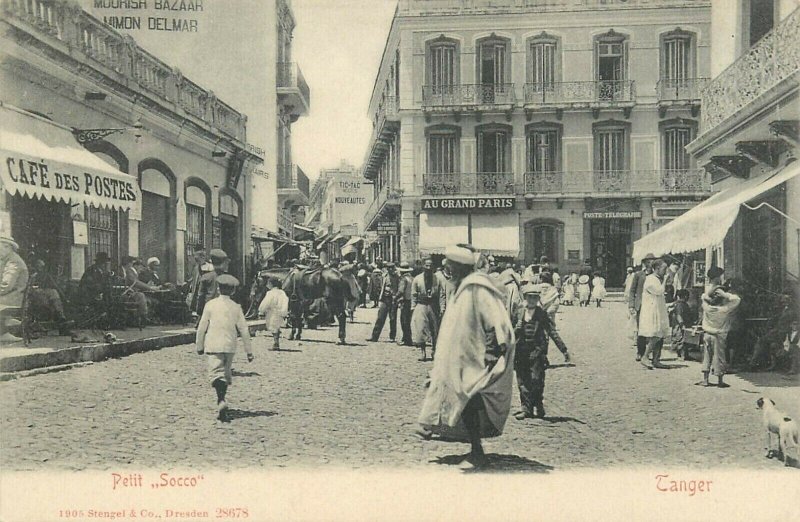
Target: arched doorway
[
  {"x": 230, "y": 231},
  {"x": 197, "y": 196},
  {"x": 107, "y": 227},
  {"x": 543, "y": 237},
  {"x": 157, "y": 228}
]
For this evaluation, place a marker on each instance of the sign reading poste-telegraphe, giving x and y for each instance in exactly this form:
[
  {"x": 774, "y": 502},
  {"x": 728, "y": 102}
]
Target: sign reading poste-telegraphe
[
  {"x": 634, "y": 214},
  {"x": 467, "y": 204}
]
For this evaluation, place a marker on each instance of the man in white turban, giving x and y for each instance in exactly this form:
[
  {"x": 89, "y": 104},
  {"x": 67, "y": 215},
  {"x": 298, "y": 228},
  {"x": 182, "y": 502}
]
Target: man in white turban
[{"x": 471, "y": 382}]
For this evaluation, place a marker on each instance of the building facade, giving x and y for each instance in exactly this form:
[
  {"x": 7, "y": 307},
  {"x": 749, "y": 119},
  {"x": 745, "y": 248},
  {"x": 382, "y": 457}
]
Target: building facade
[
  {"x": 749, "y": 136},
  {"x": 294, "y": 101},
  {"x": 72, "y": 86},
  {"x": 537, "y": 128}
]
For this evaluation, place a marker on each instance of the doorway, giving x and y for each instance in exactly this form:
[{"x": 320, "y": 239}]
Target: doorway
[
  {"x": 43, "y": 230},
  {"x": 229, "y": 236},
  {"x": 492, "y": 70},
  {"x": 611, "y": 243}
]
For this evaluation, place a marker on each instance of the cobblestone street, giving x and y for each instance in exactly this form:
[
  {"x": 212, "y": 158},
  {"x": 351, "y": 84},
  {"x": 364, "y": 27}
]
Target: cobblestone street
[{"x": 319, "y": 404}]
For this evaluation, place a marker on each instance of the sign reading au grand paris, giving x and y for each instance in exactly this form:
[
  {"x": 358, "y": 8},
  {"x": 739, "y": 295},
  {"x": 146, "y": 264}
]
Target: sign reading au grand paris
[{"x": 450, "y": 204}]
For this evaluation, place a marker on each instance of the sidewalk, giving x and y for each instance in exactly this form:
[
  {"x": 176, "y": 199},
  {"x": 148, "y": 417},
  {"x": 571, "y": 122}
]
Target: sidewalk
[{"x": 52, "y": 353}]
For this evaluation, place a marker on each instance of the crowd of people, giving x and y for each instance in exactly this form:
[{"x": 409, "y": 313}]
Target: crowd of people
[
  {"x": 106, "y": 297},
  {"x": 659, "y": 309}
]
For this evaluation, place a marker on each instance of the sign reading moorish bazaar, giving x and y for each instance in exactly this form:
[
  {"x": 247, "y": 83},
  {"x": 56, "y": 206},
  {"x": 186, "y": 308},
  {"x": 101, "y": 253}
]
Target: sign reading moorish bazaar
[
  {"x": 502, "y": 203},
  {"x": 634, "y": 214}
]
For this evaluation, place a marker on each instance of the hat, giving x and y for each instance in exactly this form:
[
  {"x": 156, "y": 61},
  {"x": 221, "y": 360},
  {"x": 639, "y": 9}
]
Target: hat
[
  {"x": 218, "y": 256},
  {"x": 404, "y": 267},
  {"x": 227, "y": 280},
  {"x": 361, "y": 273},
  {"x": 531, "y": 289},
  {"x": 206, "y": 267},
  {"x": 649, "y": 257},
  {"x": 9, "y": 241},
  {"x": 389, "y": 265},
  {"x": 153, "y": 260},
  {"x": 462, "y": 254},
  {"x": 101, "y": 257},
  {"x": 714, "y": 272},
  {"x": 346, "y": 266},
  {"x": 629, "y": 269},
  {"x": 543, "y": 260}
]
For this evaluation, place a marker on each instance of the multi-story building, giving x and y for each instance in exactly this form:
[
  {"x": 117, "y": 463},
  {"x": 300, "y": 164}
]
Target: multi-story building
[
  {"x": 532, "y": 127},
  {"x": 141, "y": 160},
  {"x": 318, "y": 196},
  {"x": 748, "y": 142},
  {"x": 294, "y": 101}
]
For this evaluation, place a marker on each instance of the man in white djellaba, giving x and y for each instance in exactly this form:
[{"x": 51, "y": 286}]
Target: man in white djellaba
[{"x": 469, "y": 396}]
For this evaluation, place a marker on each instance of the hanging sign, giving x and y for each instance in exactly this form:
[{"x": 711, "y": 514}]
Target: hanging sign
[{"x": 388, "y": 228}]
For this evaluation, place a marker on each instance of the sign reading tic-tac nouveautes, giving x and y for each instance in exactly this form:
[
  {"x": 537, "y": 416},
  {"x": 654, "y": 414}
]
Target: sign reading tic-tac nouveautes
[
  {"x": 455, "y": 204},
  {"x": 634, "y": 214}
]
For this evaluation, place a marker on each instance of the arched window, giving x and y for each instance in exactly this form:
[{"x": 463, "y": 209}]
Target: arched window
[
  {"x": 157, "y": 227},
  {"x": 544, "y": 62},
  {"x": 442, "y": 64},
  {"x": 611, "y": 65},
  {"x": 195, "y": 218},
  {"x": 675, "y": 136},
  {"x": 677, "y": 56}
]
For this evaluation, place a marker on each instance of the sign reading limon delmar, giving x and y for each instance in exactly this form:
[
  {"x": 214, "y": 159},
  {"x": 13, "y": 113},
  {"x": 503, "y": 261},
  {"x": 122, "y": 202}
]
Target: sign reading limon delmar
[
  {"x": 447, "y": 204},
  {"x": 180, "y": 16}
]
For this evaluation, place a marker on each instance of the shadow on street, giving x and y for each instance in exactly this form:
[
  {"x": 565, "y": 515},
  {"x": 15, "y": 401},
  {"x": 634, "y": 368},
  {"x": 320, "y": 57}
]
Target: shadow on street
[
  {"x": 498, "y": 464},
  {"x": 234, "y": 414}
]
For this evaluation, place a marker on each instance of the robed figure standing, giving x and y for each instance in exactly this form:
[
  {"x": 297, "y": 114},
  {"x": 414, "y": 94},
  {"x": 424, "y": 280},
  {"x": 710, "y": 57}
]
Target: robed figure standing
[{"x": 471, "y": 382}]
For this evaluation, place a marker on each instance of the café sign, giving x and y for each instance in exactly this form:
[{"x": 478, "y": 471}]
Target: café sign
[
  {"x": 467, "y": 204},
  {"x": 636, "y": 214}
]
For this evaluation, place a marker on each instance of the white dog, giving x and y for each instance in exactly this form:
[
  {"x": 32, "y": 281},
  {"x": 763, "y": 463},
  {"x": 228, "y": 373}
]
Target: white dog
[{"x": 786, "y": 430}]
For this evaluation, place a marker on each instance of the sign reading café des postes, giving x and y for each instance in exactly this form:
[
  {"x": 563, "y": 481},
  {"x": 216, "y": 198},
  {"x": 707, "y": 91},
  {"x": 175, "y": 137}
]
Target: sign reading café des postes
[{"x": 467, "y": 204}]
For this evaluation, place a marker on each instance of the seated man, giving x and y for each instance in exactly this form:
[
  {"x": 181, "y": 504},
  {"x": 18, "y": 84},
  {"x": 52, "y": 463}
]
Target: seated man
[
  {"x": 45, "y": 298},
  {"x": 13, "y": 282},
  {"x": 134, "y": 293},
  {"x": 770, "y": 344},
  {"x": 149, "y": 274}
]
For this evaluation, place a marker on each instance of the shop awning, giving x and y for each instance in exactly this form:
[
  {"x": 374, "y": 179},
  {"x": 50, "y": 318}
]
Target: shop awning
[
  {"x": 354, "y": 240},
  {"x": 497, "y": 234},
  {"x": 707, "y": 224},
  {"x": 42, "y": 159},
  {"x": 437, "y": 231}
]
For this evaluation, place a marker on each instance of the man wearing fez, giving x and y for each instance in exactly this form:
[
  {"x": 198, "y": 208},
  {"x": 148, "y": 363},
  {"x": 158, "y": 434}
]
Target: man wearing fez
[
  {"x": 209, "y": 288},
  {"x": 471, "y": 382}
]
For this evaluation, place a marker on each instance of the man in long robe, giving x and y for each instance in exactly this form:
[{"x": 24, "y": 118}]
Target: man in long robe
[
  {"x": 471, "y": 382},
  {"x": 428, "y": 298}
]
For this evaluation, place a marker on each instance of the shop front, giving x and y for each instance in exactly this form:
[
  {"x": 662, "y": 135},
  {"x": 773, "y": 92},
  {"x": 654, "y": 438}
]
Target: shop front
[
  {"x": 611, "y": 243},
  {"x": 59, "y": 201},
  {"x": 490, "y": 224}
]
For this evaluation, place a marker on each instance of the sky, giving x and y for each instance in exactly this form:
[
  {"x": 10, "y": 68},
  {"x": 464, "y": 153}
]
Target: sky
[{"x": 338, "y": 45}]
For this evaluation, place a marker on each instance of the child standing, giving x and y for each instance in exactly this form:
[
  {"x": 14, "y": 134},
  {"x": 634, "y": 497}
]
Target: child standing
[
  {"x": 532, "y": 332},
  {"x": 217, "y": 332},
  {"x": 584, "y": 292},
  {"x": 569, "y": 289},
  {"x": 274, "y": 307},
  {"x": 598, "y": 288}
]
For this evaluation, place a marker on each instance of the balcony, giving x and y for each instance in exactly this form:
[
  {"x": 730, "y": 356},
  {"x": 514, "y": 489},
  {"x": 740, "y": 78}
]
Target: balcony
[
  {"x": 293, "y": 91},
  {"x": 663, "y": 182},
  {"x": 117, "y": 62},
  {"x": 468, "y": 184},
  {"x": 473, "y": 7},
  {"x": 584, "y": 94},
  {"x": 384, "y": 127},
  {"x": 770, "y": 66},
  {"x": 285, "y": 223},
  {"x": 292, "y": 185},
  {"x": 383, "y": 207},
  {"x": 468, "y": 97}
]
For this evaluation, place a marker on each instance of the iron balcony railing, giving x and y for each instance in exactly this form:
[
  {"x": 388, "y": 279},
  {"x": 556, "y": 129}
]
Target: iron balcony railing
[
  {"x": 426, "y": 7},
  {"x": 669, "y": 181},
  {"x": 387, "y": 110},
  {"x": 388, "y": 194},
  {"x": 289, "y": 76},
  {"x": 468, "y": 183},
  {"x": 687, "y": 89},
  {"x": 109, "y": 50},
  {"x": 772, "y": 60},
  {"x": 601, "y": 91},
  {"x": 292, "y": 177},
  {"x": 468, "y": 95}
]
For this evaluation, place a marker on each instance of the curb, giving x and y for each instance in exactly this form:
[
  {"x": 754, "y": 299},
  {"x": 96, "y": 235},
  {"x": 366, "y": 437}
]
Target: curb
[{"x": 58, "y": 360}]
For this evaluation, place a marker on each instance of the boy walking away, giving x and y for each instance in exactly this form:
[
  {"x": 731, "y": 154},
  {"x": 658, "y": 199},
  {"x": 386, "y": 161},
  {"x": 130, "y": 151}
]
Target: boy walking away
[
  {"x": 532, "y": 332},
  {"x": 274, "y": 308},
  {"x": 680, "y": 319},
  {"x": 220, "y": 325},
  {"x": 718, "y": 307}
]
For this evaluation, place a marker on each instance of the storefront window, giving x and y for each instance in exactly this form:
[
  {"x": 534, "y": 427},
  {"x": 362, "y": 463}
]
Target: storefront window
[{"x": 103, "y": 232}]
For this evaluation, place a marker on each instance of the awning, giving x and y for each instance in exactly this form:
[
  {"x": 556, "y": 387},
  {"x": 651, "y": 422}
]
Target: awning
[
  {"x": 497, "y": 234},
  {"x": 303, "y": 228},
  {"x": 354, "y": 240},
  {"x": 436, "y": 231},
  {"x": 708, "y": 223},
  {"x": 42, "y": 159}
]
